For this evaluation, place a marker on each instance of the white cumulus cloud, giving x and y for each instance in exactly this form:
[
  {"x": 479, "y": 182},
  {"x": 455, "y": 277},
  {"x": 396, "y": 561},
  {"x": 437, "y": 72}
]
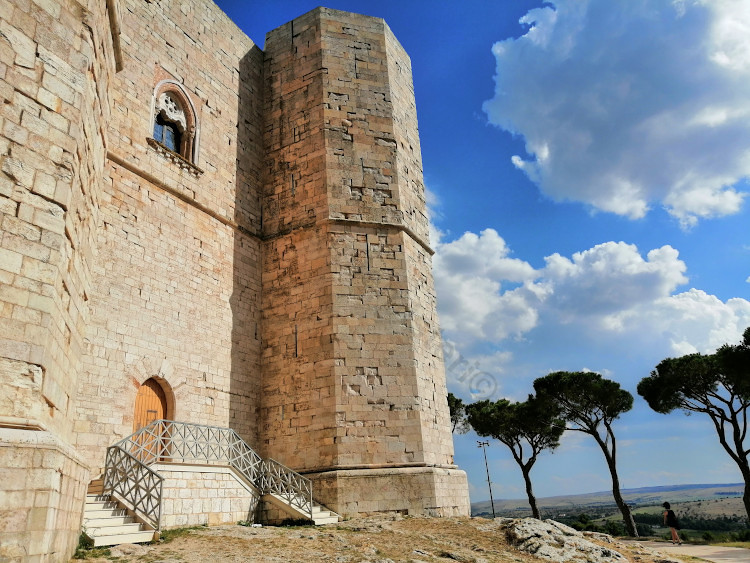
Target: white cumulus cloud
[
  {"x": 625, "y": 104},
  {"x": 691, "y": 321},
  {"x": 611, "y": 277},
  {"x": 484, "y": 295},
  {"x": 471, "y": 273}
]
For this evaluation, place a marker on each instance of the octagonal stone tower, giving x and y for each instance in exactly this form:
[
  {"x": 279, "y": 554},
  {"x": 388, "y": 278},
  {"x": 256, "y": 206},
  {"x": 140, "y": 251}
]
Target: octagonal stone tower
[{"x": 353, "y": 390}]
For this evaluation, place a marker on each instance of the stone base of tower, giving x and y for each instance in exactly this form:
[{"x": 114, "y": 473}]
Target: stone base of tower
[
  {"x": 44, "y": 484},
  {"x": 426, "y": 491}
]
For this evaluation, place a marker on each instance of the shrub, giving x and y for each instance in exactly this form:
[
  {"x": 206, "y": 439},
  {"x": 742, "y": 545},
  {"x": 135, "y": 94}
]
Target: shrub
[
  {"x": 85, "y": 549},
  {"x": 644, "y": 529},
  {"x": 297, "y": 522},
  {"x": 614, "y": 528}
]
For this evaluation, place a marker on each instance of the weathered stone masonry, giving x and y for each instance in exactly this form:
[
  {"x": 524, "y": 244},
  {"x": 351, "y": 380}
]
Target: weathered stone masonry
[
  {"x": 56, "y": 63},
  {"x": 275, "y": 278},
  {"x": 358, "y": 386}
]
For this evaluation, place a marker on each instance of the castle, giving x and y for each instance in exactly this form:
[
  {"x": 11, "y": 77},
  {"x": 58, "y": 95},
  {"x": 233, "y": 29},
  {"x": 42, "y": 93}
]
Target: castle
[{"x": 194, "y": 229}]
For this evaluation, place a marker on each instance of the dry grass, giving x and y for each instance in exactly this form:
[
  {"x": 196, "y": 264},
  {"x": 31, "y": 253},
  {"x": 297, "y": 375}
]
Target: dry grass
[
  {"x": 742, "y": 544},
  {"x": 372, "y": 539}
]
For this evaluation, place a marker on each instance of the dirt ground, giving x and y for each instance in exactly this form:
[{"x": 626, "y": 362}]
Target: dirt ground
[{"x": 375, "y": 540}]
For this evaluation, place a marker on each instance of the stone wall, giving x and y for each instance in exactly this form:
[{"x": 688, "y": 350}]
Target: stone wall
[
  {"x": 57, "y": 60},
  {"x": 415, "y": 491},
  {"x": 298, "y": 398},
  {"x": 42, "y": 494},
  {"x": 353, "y": 373},
  {"x": 196, "y": 495},
  {"x": 52, "y": 155},
  {"x": 176, "y": 292}
]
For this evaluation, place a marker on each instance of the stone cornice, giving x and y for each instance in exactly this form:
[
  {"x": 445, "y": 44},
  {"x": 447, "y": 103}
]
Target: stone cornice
[
  {"x": 228, "y": 222},
  {"x": 355, "y": 223},
  {"x": 378, "y": 466},
  {"x": 138, "y": 171},
  {"x": 403, "y": 228},
  {"x": 176, "y": 159}
]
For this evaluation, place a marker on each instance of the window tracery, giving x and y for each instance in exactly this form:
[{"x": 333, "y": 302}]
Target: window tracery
[{"x": 175, "y": 126}]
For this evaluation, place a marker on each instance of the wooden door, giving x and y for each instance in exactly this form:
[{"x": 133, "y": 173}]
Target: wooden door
[{"x": 150, "y": 404}]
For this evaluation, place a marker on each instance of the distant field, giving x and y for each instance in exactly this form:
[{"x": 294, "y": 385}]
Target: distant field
[
  {"x": 698, "y": 500},
  {"x": 712, "y": 508}
]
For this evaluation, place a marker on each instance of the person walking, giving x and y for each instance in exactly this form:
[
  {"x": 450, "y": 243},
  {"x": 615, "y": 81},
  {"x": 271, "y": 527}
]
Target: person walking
[{"x": 671, "y": 520}]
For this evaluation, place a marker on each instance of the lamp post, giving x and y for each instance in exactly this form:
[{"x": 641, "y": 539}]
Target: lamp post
[{"x": 487, "y": 467}]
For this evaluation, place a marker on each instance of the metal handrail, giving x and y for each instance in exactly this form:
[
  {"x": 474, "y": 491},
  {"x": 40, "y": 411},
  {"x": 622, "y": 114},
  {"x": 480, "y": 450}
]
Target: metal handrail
[
  {"x": 286, "y": 483},
  {"x": 145, "y": 444},
  {"x": 170, "y": 441},
  {"x": 182, "y": 442},
  {"x": 134, "y": 483}
]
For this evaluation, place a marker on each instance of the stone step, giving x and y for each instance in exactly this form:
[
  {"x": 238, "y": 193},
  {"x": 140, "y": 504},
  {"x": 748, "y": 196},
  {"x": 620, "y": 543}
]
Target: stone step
[
  {"x": 95, "y": 487},
  {"x": 100, "y": 504},
  {"x": 121, "y": 529},
  {"x": 328, "y": 520},
  {"x": 324, "y": 516},
  {"x": 320, "y": 514},
  {"x": 105, "y": 513},
  {"x": 97, "y": 498},
  {"x": 116, "y": 539},
  {"x": 106, "y": 522}
]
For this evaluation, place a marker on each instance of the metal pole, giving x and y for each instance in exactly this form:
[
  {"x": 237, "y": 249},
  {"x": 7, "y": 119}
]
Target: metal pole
[{"x": 487, "y": 467}]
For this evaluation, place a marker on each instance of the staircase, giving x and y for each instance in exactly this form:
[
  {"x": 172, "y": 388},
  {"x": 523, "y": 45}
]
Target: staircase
[
  {"x": 323, "y": 516},
  {"x": 133, "y": 512},
  {"x": 107, "y": 522},
  {"x": 320, "y": 514}
]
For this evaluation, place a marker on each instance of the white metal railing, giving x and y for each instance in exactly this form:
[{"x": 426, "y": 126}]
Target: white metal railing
[
  {"x": 181, "y": 442},
  {"x": 289, "y": 485},
  {"x": 134, "y": 483}
]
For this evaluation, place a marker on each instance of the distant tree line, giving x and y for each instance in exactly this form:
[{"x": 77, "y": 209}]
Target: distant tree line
[
  {"x": 585, "y": 523},
  {"x": 717, "y": 385},
  {"x": 718, "y": 524}
]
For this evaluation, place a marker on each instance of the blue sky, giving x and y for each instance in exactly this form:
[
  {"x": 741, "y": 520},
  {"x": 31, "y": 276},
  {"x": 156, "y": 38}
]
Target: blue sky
[{"x": 587, "y": 163}]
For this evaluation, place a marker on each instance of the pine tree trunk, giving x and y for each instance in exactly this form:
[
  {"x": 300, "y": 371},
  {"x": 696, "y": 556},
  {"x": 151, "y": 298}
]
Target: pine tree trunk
[
  {"x": 746, "y": 495},
  {"x": 530, "y": 493},
  {"x": 740, "y": 456},
  {"x": 627, "y": 517}
]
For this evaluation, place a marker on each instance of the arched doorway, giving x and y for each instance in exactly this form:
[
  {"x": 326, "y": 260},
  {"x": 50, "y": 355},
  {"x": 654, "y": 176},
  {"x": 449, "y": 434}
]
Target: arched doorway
[{"x": 150, "y": 404}]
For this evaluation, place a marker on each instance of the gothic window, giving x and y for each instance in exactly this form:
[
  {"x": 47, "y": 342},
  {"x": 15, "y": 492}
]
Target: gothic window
[
  {"x": 175, "y": 127},
  {"x": 167, "y": 133},
  {"x": 171, "y": 124}
]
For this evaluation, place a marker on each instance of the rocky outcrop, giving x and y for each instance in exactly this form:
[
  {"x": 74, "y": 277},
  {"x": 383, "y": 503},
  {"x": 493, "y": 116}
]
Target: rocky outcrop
[{"x": 556, "y": 542}]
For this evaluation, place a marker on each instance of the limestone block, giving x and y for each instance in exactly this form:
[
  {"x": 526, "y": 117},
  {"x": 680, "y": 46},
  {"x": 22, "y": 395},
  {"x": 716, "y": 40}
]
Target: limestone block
[
  {"x": 23, "y": 46},
  {"x": 10, "y": 261},
  {"x": 19, "y": 171}
]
